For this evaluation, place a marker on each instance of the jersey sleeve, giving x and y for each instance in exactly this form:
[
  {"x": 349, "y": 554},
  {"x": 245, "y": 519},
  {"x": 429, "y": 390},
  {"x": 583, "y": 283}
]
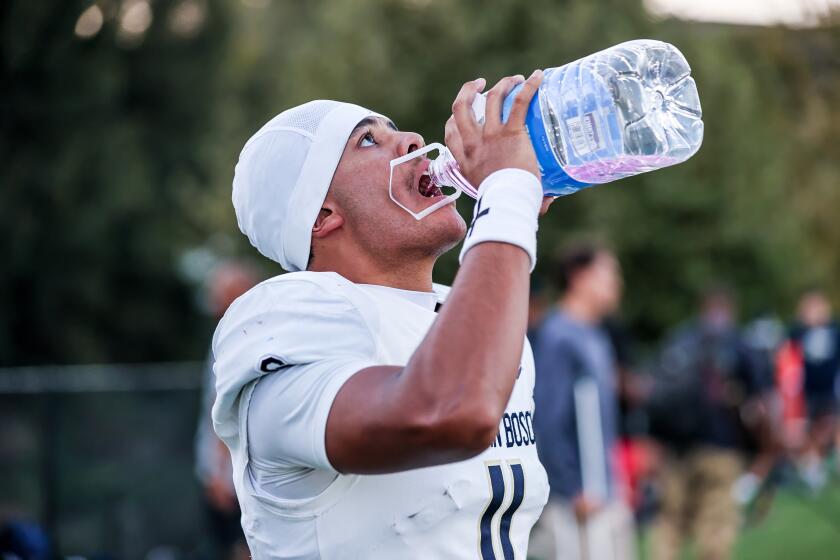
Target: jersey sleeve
[
  {"x": 301, "y": 342},
  {"x": 287, "y": 415}
]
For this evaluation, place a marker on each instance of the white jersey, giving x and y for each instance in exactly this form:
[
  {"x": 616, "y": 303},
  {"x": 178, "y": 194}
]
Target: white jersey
[{"x": 283, "y": 351}]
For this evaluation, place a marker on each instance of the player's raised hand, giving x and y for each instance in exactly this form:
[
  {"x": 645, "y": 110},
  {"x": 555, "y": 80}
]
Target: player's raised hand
[{"x": 482, "y": 149}]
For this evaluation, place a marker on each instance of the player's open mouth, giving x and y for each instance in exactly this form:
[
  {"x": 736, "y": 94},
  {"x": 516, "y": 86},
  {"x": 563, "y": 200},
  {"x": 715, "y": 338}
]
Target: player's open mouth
[{"x": 426, "y": 187}]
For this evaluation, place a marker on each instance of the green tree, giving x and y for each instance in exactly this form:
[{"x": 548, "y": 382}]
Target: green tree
[{"x": 103, "y": 150}]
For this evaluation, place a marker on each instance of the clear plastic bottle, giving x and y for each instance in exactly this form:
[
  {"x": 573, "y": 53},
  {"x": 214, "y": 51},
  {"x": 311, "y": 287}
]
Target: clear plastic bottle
[{"x": 619, "y": 112}]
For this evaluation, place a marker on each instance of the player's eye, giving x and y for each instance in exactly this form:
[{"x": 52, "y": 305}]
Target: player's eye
[{"x": 367, "y": 140}]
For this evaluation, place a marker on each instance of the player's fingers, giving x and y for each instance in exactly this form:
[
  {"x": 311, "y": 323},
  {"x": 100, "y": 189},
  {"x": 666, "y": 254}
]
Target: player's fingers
[
  {"x": 493, "y": 110},
  {"x": 462, "y": 107},
  {"x": 519, "y": 109},
  {"x": 452, "y": 138}
]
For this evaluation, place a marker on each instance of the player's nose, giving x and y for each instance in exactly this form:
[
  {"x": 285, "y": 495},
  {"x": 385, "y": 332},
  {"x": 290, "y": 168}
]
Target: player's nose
[{"x": 408, "y": 142}]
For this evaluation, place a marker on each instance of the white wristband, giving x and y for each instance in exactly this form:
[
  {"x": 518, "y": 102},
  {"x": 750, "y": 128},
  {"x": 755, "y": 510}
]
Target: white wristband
[{"x": 506, "y": 211}]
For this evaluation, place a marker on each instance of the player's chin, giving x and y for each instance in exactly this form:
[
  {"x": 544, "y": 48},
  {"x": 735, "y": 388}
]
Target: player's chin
[
  {"x": 447, "y": 227},
  {"x": 449, "y": 218}
]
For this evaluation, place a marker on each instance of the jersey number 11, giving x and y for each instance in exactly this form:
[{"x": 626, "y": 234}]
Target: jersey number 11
[{"x": 490, "y": 541}]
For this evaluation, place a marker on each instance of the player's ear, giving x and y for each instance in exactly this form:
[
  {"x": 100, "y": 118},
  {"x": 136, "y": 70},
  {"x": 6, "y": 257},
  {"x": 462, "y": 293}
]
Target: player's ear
[{"x": 328, "y": 220}]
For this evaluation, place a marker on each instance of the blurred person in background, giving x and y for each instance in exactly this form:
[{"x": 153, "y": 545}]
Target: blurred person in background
[
  {"x": 815, "y": 339},
  {"x": 226, "y": 282},
  {"x": 24, "y": 540},
  {"x": 636, "y": 453},
  {"x": 577, "y": 411},
  {"x": 707, "y": 381},
  {"x": 763, "y": 336},
  {"x": 789, "y": 386},
  {"x": 537, "y": 307}
]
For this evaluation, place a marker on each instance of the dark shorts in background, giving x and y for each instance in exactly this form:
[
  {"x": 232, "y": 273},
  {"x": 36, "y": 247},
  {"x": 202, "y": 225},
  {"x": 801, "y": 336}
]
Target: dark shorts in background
[
  {"x": 821, "y": 405},
  {"x": 224, "y": 526}
]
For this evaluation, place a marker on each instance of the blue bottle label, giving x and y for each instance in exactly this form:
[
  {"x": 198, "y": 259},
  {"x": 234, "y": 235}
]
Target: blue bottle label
[{"x": 555, "y": 181}]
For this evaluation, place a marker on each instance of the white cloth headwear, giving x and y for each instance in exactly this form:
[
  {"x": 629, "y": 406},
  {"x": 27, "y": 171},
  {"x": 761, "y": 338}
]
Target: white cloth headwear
[{"x": 283, "y": 175}]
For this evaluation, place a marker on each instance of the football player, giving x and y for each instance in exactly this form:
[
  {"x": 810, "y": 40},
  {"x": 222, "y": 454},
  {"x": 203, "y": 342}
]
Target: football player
[{"x": 364, "y": 418}]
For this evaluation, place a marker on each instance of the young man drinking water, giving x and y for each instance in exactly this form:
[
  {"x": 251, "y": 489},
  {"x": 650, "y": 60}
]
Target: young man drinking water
[{"x": 364, "y": 419}]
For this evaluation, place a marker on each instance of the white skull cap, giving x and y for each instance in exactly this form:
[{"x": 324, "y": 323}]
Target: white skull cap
[{"x": 283, "y": 174}]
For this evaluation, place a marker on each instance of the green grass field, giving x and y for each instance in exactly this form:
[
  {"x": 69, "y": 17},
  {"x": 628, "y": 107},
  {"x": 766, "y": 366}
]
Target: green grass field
[{"x": 798, "y": 527}]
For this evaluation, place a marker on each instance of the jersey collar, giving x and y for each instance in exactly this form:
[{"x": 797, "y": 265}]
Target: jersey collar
[{"x": 427, "y": 300}]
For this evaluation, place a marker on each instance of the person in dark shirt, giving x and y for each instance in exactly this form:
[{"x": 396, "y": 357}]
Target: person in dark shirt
[
  {"x": 816, "y": 337},
  {"x": 706, "y": 381}
]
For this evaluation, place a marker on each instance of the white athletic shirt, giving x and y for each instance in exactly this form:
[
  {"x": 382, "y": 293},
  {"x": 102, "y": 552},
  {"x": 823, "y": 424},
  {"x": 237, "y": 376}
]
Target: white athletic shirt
[{"x": 283, "y": 351}]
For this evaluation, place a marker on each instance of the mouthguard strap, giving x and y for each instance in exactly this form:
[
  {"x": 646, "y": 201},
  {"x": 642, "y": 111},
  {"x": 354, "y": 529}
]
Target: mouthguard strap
[{"x": 408, "y": 157}]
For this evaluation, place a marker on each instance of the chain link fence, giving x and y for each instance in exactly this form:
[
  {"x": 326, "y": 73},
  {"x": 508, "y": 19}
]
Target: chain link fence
[{"x": 103, "y": 458}]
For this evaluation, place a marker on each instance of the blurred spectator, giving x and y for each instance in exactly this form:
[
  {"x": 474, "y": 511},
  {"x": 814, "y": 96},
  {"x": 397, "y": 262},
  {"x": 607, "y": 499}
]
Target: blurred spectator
[
  {"x": 707, "y": 381},
  {"x": 576, "y": 412},
  {"x": 636, "y": 454},
  {"x": 789, "y": 382},
  {"x": 22, "y": 540},
  {"x": 213, "y": 467},
  {"x": 815, "y": 340},
  {"x": 537, "y": 307},
  {"x": 763, "y": 336},
  {"x": 762, "y": 414}
]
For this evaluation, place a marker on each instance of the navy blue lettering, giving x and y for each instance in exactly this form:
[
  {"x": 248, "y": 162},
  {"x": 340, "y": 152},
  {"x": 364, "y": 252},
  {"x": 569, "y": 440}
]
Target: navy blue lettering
[
  {"x": 517, "y": 429},
  {"x": 526, "y": 431},
  {"x": 530, "y": 427},
  {"x": 508, "y": 430}
]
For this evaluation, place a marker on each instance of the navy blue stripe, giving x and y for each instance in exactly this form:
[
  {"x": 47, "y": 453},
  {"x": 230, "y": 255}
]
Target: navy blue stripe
[
  {"x": 497, "y": 483},
  {"x": 518, "y": 495}
]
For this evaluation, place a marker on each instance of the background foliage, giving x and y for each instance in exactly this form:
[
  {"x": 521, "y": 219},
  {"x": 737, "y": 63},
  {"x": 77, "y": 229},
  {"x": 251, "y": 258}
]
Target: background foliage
[{"x": 117, "y": 153}]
